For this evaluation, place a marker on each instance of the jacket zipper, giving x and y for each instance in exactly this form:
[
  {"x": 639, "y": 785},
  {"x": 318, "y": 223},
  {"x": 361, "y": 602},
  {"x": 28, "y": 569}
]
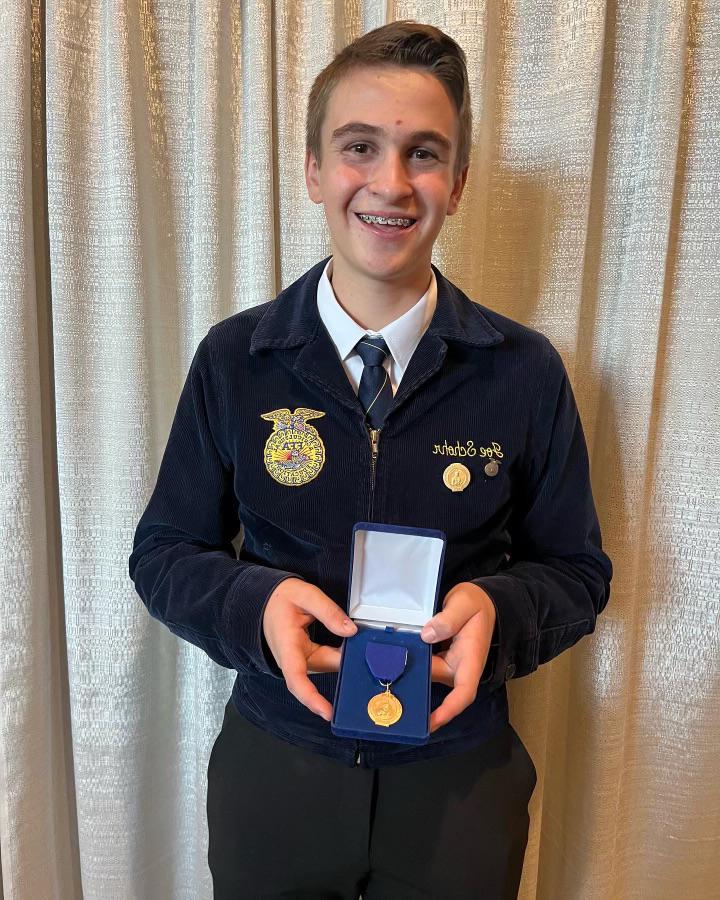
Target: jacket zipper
[{"x": 374, "y": 434}]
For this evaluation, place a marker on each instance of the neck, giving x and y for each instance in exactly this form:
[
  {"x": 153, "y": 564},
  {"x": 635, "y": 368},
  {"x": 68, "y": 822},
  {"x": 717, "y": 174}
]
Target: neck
[{"x": 373, "y": 304}]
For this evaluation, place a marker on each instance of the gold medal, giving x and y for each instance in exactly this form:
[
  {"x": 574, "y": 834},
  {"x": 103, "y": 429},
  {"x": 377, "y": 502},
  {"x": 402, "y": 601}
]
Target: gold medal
[{"x": 385, "y": 708}]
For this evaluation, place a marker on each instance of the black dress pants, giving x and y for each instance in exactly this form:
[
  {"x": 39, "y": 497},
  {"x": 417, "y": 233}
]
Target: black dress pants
[{"x": 287, "y": 822}]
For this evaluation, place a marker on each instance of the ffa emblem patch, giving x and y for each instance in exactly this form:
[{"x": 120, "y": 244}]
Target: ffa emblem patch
[{"x": 294, "y": 453}]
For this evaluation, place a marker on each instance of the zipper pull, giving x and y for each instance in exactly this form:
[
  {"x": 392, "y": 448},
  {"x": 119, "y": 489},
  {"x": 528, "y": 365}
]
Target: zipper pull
[{"x": 374, "y": 439}]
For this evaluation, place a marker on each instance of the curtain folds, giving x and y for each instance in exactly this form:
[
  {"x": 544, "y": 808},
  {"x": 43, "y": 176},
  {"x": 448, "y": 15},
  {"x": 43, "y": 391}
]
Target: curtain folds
[{"x": 151, "y": 181}]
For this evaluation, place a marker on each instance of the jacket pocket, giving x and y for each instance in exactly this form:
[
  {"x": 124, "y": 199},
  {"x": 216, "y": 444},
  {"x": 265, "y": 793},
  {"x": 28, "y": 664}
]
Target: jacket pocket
[{"x": 273, "y": 545}]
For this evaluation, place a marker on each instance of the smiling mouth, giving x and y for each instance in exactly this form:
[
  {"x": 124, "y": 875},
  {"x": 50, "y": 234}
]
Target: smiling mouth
[{"x": 395, "y": 221}]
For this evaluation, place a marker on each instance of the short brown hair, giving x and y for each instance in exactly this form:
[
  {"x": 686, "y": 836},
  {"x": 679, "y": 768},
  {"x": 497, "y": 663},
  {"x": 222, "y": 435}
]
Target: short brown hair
[{"x": 403, "y": 43}]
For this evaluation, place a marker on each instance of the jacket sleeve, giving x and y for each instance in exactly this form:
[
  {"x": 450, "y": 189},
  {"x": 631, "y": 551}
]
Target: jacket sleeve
[
  {"x": 183, "y": 562},
  {"x": 558, "y": 579}
]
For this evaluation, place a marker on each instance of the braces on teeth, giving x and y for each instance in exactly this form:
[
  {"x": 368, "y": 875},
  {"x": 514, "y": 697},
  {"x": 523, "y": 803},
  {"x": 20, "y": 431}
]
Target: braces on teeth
[{"x": 380, "y": 220}]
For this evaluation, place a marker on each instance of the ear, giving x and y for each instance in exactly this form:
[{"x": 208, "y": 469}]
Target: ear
[
  {"x": 312, "y": 180},
  {"x": 457, "y": 191}
]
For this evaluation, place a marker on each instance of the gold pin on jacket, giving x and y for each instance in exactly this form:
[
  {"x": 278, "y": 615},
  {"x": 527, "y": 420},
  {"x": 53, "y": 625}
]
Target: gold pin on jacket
[
  {"x": 294, "y": 453},
  {"x": 456, "y": 477}
]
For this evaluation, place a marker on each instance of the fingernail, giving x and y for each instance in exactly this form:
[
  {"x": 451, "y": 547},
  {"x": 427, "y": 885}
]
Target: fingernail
[
  {"x": 429, "y": 634},
  {"x": 348, "y": 625}
]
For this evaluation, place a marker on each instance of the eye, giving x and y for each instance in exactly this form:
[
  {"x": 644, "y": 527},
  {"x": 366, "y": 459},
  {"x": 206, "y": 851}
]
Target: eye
[
  {"x": 359, "y": 147},
  {"x": 424, "y": 154}
]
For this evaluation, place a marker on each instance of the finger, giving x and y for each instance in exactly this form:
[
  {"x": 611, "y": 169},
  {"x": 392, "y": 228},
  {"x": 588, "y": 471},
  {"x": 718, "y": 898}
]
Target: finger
[
  {"x": 325, "y": 610},
  {"x": 324, "y": 659},
  {"x": 441, "y": 671},
  {"x": 294, "y": 669},
  {"x": 466, "y": 680},
  {"x": 456, "y": 701}
]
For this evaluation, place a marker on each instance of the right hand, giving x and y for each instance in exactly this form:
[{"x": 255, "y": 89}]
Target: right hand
[{"x": 291, "y": 608}]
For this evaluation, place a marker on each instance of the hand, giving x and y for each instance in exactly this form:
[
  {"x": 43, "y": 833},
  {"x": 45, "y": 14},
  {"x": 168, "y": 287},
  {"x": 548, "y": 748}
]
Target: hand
[
  {"x": 291, "y": 608},
  {"x": 468, "y": 620}
]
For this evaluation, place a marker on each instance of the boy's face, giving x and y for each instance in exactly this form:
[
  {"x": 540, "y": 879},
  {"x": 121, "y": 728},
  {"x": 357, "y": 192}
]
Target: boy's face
[{"x": 389, "y": 141}]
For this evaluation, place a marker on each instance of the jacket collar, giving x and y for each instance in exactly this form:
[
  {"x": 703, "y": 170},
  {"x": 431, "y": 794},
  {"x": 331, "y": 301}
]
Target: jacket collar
[{"x": 292, "y": 319}]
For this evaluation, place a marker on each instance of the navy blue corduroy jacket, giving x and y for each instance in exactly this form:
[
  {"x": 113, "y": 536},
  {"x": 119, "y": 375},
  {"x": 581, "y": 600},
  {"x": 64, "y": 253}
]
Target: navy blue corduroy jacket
[{"x": 479, "y": 389}]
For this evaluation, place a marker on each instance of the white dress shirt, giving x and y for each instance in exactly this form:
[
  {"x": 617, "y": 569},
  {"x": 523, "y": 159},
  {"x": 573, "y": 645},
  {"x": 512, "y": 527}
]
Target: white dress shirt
[{"x": 401, "y": 335}]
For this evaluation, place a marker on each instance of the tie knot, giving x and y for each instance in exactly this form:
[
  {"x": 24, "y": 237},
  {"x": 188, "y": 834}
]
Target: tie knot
[{"x": 373, "y": 350}]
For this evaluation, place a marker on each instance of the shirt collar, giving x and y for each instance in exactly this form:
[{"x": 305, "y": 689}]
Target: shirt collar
[
  {"x": 292, "y": 319},
  {"x": 401, "y": 335}
]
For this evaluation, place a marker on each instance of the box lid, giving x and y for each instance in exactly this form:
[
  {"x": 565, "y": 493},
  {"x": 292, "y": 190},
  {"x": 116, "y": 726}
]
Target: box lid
[{"x": 395, "y": 574}]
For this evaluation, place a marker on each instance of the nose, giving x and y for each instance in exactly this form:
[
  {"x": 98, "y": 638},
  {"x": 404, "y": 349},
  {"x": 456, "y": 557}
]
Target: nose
[{"x": 390, "y": 178}]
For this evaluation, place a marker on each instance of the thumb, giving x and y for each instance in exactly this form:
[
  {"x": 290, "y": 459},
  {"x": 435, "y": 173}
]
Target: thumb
[
  {"x": 329, "y": 613},
  {"x": 444, "y": 625},
  {"x": 459, "y": 606},
  {"x": 436, "y": 629}
]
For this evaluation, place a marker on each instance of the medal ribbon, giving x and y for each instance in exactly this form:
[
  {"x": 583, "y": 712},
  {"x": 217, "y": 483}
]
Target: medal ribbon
[{"x": 386, "y": 661}]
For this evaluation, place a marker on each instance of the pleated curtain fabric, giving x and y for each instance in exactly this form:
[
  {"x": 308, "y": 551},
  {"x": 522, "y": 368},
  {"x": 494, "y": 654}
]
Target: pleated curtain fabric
[{"x": 150, "y": 185}]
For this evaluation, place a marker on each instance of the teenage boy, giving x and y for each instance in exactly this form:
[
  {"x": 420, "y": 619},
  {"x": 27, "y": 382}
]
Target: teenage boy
[{"x": 373, "y": 389}]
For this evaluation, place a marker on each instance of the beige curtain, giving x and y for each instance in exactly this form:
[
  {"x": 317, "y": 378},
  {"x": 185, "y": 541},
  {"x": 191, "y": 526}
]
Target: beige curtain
[{"x": 151, "y": 184}]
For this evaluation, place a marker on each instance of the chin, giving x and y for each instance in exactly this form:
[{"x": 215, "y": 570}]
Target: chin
[
  {"x": 389, "y": 266},
  {"x": 387, "y": 273}
]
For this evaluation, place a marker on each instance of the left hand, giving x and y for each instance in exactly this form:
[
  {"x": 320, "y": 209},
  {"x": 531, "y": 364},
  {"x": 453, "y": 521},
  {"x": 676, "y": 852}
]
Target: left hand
[{"x": 467, "y": 620}]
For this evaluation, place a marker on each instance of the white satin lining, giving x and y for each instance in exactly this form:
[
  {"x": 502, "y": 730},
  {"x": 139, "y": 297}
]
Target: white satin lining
[{"x": 394, "y": 578}]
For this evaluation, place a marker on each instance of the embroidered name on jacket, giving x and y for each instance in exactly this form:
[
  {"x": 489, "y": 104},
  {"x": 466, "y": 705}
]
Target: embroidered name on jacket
[
  {"x": 294, "y": 453},
  {"x": 494, "y": 451}
]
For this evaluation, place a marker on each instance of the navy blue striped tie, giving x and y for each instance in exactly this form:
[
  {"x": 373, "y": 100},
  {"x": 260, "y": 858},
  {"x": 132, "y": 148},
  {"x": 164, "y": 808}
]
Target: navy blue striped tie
[{"x": 375, "y": 392}]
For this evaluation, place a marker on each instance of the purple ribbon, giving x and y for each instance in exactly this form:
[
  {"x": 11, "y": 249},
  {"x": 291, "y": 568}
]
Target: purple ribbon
[{"x": 385, "y": 661}]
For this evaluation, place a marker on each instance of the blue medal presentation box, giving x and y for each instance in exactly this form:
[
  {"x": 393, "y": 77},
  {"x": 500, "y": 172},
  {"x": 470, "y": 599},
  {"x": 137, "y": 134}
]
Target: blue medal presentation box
[{"x": 394, "y": 589}]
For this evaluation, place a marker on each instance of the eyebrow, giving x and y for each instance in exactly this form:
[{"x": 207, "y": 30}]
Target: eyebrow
[{"x": 427, "y": 136}]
